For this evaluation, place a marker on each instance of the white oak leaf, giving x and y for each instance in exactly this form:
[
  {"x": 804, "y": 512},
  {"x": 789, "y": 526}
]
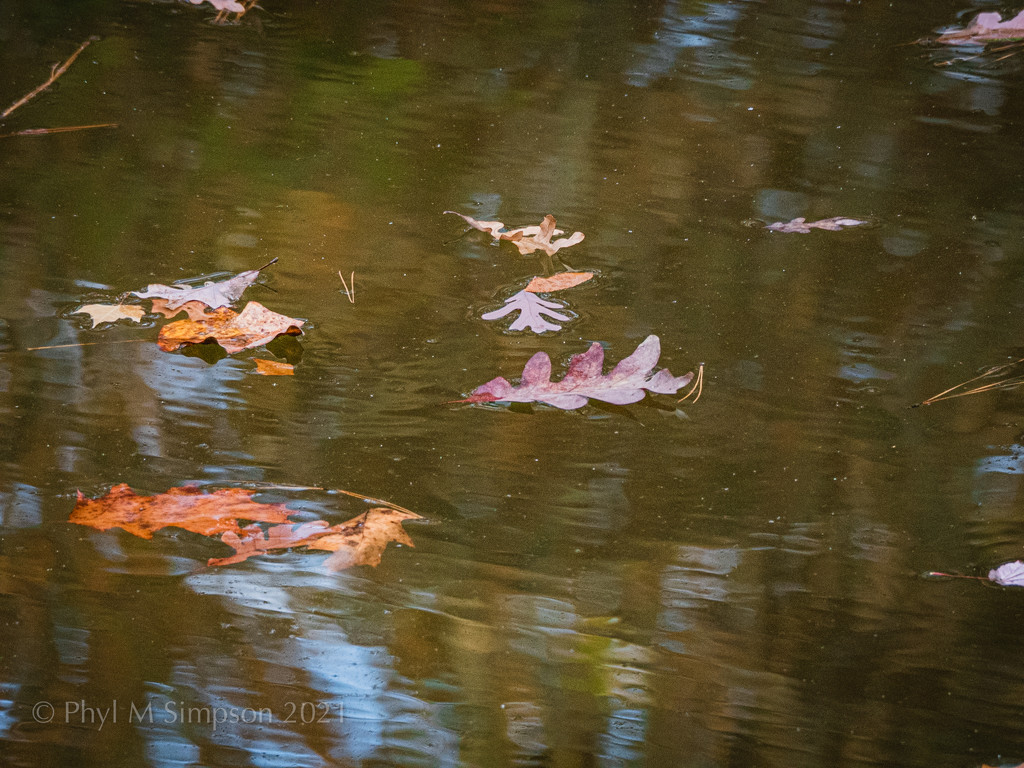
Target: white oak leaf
[
  {"x": 803, "y": 227},
  {"x": 212, "y": 294},
  {"x": 532, "y": 313},
  {"x": 626, "y": 383}
]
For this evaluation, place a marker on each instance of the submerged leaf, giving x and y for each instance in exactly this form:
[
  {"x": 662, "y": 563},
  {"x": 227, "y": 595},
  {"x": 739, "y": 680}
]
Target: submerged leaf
[
  {"x": 212, "y": 294},
  {"x": 273, "y": 367},
  {"x": 532, "y": 311},
  {"x": 558, "y": 282},
  {"x": 111, "y": 313},
  {"x": 1008, "y": 574},
  {"x": 624, "y": 384},
  {"x": 188, "y": 507},
  {"x": 984, "y": 28},
  {"x": 254, "y": 326},
  {"x": 359, "y": 541},
  {"x": 803, "y": 227},
  {"x": 527, "y": 239}
]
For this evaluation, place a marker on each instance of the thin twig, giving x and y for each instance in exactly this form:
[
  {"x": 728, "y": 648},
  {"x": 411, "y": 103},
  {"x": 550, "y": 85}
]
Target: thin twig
[
  {"x": 350, "y": 293},
  {"x": 54, "y": 74},
  {"x": 60, "y": 129},
  {"x": 698, "y": 386},
  {"x": 376, "y": 501},
  {"x": 939, "y": 573},
  {"x": 87, "y": 344}
]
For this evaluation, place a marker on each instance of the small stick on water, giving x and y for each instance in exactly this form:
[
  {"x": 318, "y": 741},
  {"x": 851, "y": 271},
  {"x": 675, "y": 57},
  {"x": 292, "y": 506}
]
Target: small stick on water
[
  {"x": 87, "y": 344},
  {"x": 382, "y": 502},
  {"x": 61, "y": 129},
  {"x": 698, "y": 386},
  {"x": 350, "y": 293},
  {"x": 56, "y": 72},
  {"x": 940, "y": 574}
]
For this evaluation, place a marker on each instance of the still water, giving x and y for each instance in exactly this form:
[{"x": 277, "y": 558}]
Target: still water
[{"x": 732, "y": 583}]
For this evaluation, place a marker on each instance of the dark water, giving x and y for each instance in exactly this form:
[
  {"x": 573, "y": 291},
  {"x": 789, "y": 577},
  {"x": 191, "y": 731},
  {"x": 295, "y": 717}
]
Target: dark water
[{"x": 732, "y": 583}]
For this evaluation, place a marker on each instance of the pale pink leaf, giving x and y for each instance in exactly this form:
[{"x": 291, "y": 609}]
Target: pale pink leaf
[
  {"x": 984, "y": 28},
  {"x": 583, "y": 380}
]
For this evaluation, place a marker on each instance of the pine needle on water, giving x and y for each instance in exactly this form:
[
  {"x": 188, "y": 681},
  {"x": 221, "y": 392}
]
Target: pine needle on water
[{"x": 960, "y": 391}]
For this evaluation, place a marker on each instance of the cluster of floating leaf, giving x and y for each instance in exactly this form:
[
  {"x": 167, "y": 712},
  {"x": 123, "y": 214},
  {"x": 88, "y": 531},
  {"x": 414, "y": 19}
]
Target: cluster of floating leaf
[
  {"x": 359, "y": 541},
  {"x": 584, "y": 380},
  {"x": 210, "y": 317}
]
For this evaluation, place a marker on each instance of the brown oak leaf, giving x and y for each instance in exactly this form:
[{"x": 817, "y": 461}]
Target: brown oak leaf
[
  {"x": 359, "y": 541},
  {"x": 526, "y": 239},
  {"x": 252, "y": 327},
  {"x": 187, "y": 507}
]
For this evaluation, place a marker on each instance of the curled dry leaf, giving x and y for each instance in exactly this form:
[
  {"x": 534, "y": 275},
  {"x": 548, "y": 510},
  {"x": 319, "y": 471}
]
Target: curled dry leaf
[
  {"x": 527, "y": 239},
  {"x": 213, "y": 295},
  {"x": 188, "y": 507},
  {"x": 274, "y": 367},
  {"x": 532, "y": 313},
  {"x": 359, "y": 541},
  {"x": 111, "y": 313},
  {"x": 626, "y": 383},
  {"x": 254, "y": 326},
  {"x": 558, "y": 282},
  {"x": 984, "y": 28},
  {"x": 803, "y": 227}
]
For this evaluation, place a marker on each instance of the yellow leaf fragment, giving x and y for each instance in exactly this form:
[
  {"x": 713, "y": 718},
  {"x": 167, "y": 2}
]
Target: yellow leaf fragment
[
  {"x": 558, "y": 282},
  {"x": 111, "y": 313},
  {"x": 273, "y": 367}
]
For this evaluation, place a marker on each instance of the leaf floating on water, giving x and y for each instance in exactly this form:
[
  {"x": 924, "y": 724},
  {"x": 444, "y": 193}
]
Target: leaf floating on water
[
  {"x": 111, "y": 313},
  {"x": 985, "y": 28},
  {"x": 626, "y": 383},
  {"x": 274, "y": 367},
  {"x": 558, "y": 282},
  {"x": 222, "y": 5},
  {"x": 254, "y": 326},
  {"x": 527, "y": 239},
  {"x": 803, "y": 227},
  {"x": 532, "y": 313},
  {"x": 188, "y": 507},
  {"x": 1008, "y": 574},
  {"x": 359, "y": 541},
  {"x": 213, "y": 295}
]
